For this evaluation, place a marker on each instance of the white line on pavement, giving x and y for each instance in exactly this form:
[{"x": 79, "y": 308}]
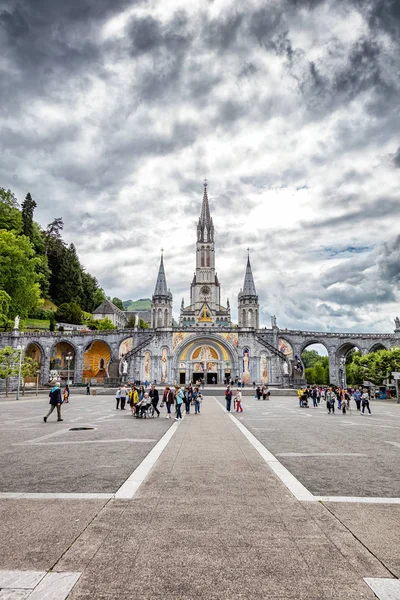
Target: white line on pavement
[
  {"x": 294, "y": 486},
  {"x": 294, "y": 454},
  {"x": 393, "y": 444},
  {"x": 358, "y": 499},
  {"x": 53, "y": 496},
  {"x": 384, "y": 589},
  {"x": 132, "y": 484}
]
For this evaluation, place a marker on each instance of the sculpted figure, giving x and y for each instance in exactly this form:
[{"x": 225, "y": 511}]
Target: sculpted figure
[
  {"x": 397, "y": 322},
  {"x": 16, "y": 322}
]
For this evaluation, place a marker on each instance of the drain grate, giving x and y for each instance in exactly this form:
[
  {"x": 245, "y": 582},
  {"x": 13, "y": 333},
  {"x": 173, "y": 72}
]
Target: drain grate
[{"x": 81, "y": 428}]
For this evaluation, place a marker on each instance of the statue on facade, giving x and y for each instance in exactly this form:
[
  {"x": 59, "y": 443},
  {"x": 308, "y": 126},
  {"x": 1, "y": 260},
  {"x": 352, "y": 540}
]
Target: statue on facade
[
  {"x": 397, "y": 323},
  {"x": 124, "y": 367},
  {"x": 285, "y": 368},
  {"x": 136, "y": 321},
  {"x": 273, "y": 321},
  {"x": 16, "y": 322}
]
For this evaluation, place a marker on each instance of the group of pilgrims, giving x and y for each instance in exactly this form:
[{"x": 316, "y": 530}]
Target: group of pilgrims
[{"x": 145, "y": 403}]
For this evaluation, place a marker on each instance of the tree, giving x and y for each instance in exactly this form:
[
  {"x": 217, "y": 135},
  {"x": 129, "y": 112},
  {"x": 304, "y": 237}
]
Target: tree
[
  {"x": 29, "y": 368},
  {"x": 28, "y": 207},
  {"x": 70, "y": 312},
  {"x": 143, "y": 324},
  {"x": 378, "y": 366},
  {"x": 10, "y": 215},
  {"x": 9, "y": 364},
  {"x": 69, "y": 288},
  {"x": 5, "y": 303},
  {"x": 118, "y": 303},
  {"x": 52, "y": 321},
  {"x": 130, "y": 324},
  {"x": 53, "y": 230},
  {"x": 105, "y": 324},
  {"x": 92, "y": 295},
  {"x": 18, "y": 275}
]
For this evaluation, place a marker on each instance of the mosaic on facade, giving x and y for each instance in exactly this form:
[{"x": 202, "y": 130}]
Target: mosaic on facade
[
  {"x": 96, "y": 360},
  {"x": 147, "y": 366},
  {"x": 246, "y": 376},
  {"x": 125, "y": 347},
  {"x": 179, "y": 337},
  {"x": 285, "y": 348},
  {"x": 164, "y": 365},
  {"x": 232, "y": 338},
  {"x": 263, "y": 368}
]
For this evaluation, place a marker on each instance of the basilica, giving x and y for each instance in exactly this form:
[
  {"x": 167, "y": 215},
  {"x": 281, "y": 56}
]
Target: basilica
[{"x": 204, "y": 344}]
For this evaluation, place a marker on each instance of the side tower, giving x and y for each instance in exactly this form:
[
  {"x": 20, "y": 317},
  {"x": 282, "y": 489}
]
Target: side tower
[
  {"x": 161, "y": 312},
  {"x": 248, "y": 307}
]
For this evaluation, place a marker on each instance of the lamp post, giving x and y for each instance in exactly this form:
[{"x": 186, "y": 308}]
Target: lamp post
[
  {"x": 68, "y": 358},
  {"x": 343, "y": 369},
  {"x": 37, "y": 381},
  {"x": 19, "y": 369}
]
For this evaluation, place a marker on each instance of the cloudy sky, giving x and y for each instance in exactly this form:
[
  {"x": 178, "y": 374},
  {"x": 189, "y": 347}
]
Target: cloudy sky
[{"x": 113, "y": 111}]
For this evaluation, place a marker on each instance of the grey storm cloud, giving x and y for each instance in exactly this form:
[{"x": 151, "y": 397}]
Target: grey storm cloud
[{"x": 112, "y": 112}]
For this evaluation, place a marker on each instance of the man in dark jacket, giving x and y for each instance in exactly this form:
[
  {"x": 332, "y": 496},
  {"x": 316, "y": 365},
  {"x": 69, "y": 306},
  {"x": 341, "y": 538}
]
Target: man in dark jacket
[
  {"x": 55, "y": 401},
  {"x": 154, "y": 398},
  {"x": 228, "y": 399}
]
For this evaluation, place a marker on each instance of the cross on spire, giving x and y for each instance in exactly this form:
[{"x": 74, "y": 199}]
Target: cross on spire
[{"x": 205, "y": 183}]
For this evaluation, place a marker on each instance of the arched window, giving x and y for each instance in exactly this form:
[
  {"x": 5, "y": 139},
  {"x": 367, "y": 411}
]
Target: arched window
[
  {"x": 202, "y": 257},
  {"x": 244, "y": 318},
  {"x": 166, "y": 317},
  {"x": 208, "y": 257}
]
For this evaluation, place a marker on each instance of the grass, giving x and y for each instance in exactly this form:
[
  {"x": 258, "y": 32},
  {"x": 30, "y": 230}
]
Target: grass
[{"x": 37, "y": 324}]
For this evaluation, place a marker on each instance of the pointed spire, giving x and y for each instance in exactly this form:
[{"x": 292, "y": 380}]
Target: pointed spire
[
  {"x": 205, "y": 217},
  {"x": 161, "y": 288},
  {"x": 249, "y": 289}
]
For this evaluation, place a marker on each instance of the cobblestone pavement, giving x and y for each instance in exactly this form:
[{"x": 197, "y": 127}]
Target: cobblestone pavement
[{"x": 211, "y": 521}]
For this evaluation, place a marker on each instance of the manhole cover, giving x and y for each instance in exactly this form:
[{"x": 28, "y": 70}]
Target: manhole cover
[{"x": 81, "y": 428}]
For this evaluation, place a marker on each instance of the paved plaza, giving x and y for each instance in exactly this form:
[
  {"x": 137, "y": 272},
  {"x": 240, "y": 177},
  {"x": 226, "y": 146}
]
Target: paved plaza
[{"x": 275, "y": 503}]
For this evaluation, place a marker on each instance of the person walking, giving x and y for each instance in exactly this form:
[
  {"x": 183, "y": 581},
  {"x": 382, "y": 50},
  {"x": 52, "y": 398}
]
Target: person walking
[
  {"x": 179, "y": 398},
  {"x": 314, "y": 395},
  {"x": 228, "y": 399},
  {"x": 66, "y": 393},
  {"x": 134, "y": 400},
  {"x": 357, "y": 398},
  {"x": 88, "y": 389},
  {"x": 55, "y": 401},
  {"x": 118, "y": 397},
  {"x": 197, "y": 397},
  {"x": 154, "y": 395},
  {"x": 168, "y": 400},
  {"x": 258, "y": 392},
  {"x": 124, "y": 393},
  {"x": 330, "y": 397},
  {"x": 187, "y": 400},
  {"x": 238, "y": 401},
  {"x": 365, "y": 402}
]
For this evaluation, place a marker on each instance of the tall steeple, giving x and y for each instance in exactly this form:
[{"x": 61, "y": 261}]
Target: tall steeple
[
  {"x": 161, "y": 284},
  {"x": 249, "y": 289},
  {"x": 161, "y": 313},
  {"x": 248, "y": 307},
  {"x": 205, "y": 227}
]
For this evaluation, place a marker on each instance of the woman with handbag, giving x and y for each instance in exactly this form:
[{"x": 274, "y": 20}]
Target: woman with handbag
[{"x": 179, "y": 398}]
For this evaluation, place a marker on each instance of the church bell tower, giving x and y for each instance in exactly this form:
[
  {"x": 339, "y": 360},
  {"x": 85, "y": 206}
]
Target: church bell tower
[{"x": 205, "y": 291}]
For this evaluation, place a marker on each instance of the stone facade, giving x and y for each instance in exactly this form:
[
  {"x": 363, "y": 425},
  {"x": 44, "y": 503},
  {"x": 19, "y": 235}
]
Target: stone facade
[{"x": 204, "y": 345}]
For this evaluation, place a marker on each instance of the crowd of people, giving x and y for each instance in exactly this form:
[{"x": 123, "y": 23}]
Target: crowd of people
[
  {"x": 330, "y": 395},
  {"x": 145, "y": 403}
]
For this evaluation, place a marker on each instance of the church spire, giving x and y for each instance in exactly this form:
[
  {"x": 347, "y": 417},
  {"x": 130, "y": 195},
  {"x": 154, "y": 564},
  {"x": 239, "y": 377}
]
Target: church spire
[
  {"x": 249, "y": 289},
  {"x": 161, "y": 288},
  {"x": 205, "y": 228}
]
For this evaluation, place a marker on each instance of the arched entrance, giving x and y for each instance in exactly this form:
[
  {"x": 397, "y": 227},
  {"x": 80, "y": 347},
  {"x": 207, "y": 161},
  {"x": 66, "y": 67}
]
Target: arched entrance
[
  {"x": 315, "y": 362},
  {"x": 208, "y": 359},
  {"x": 96, "y": 362},
  {"x": 35, "y": 353},
  {"x": 346, "y": 360},
  {"x": 62, "y": 362}
]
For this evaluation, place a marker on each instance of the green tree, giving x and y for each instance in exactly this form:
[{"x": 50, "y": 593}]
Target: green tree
[
  {"x": 28, "y": 207},
  {"x": 105, "y": 324},
  {"x": 29, "y": 368},
  {"x": 52, "y": 321},
  {"x": 92, "y": 295},
  {"x": 118, "y": 303},
  {"x": 69, "y": 288},
  {"x": 10, "y": 215},
  {"x": 378, "y": 366},
  {"x": 9, "y": 364},
  {"x": 143, "y": 324},
  {"x": 310, "y": 358},
  {"x": 70, "y": 312},
  {"x": 18, "y": 275},
  {"x": 5, "y": 303},
  {"x": 310, "y": 375}
]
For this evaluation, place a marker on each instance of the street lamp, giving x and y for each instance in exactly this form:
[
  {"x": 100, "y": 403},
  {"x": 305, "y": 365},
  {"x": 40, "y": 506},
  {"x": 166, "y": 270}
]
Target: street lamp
[
  {"x": 343, "y": 370},
  {"x": 37, "y": 381},
  {"x": 68, "y": 358},
  {"x": 19, "y": 369}
]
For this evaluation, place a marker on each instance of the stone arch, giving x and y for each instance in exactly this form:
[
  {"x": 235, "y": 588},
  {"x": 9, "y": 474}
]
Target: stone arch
[
  {"x": 97, "y": 358},
  {"x": 377, "y": 346},
  {"x": 341, "y": 354},
  {"x": 35, "y": 351},
  {"x": 296, "y": 368},
  {"x": 58, "y": 360},
  {"x": 311, "y": 342},
  {"x": 125, "y": 346},
  {"x": 204, "y": 339}
]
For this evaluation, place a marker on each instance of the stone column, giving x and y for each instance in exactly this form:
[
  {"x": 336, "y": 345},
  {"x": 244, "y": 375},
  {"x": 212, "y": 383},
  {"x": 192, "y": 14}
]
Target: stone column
[
  {"x": 78, "y": 370},
  {"x": 333, "y": 366}
]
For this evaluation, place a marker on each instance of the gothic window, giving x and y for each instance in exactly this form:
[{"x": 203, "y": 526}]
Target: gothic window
[
  {"x": 208, "y": 258},
  {"x": 202, "y": 257}
]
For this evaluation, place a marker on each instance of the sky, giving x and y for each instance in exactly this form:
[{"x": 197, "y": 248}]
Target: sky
[{"x": 112, "y": 112}]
